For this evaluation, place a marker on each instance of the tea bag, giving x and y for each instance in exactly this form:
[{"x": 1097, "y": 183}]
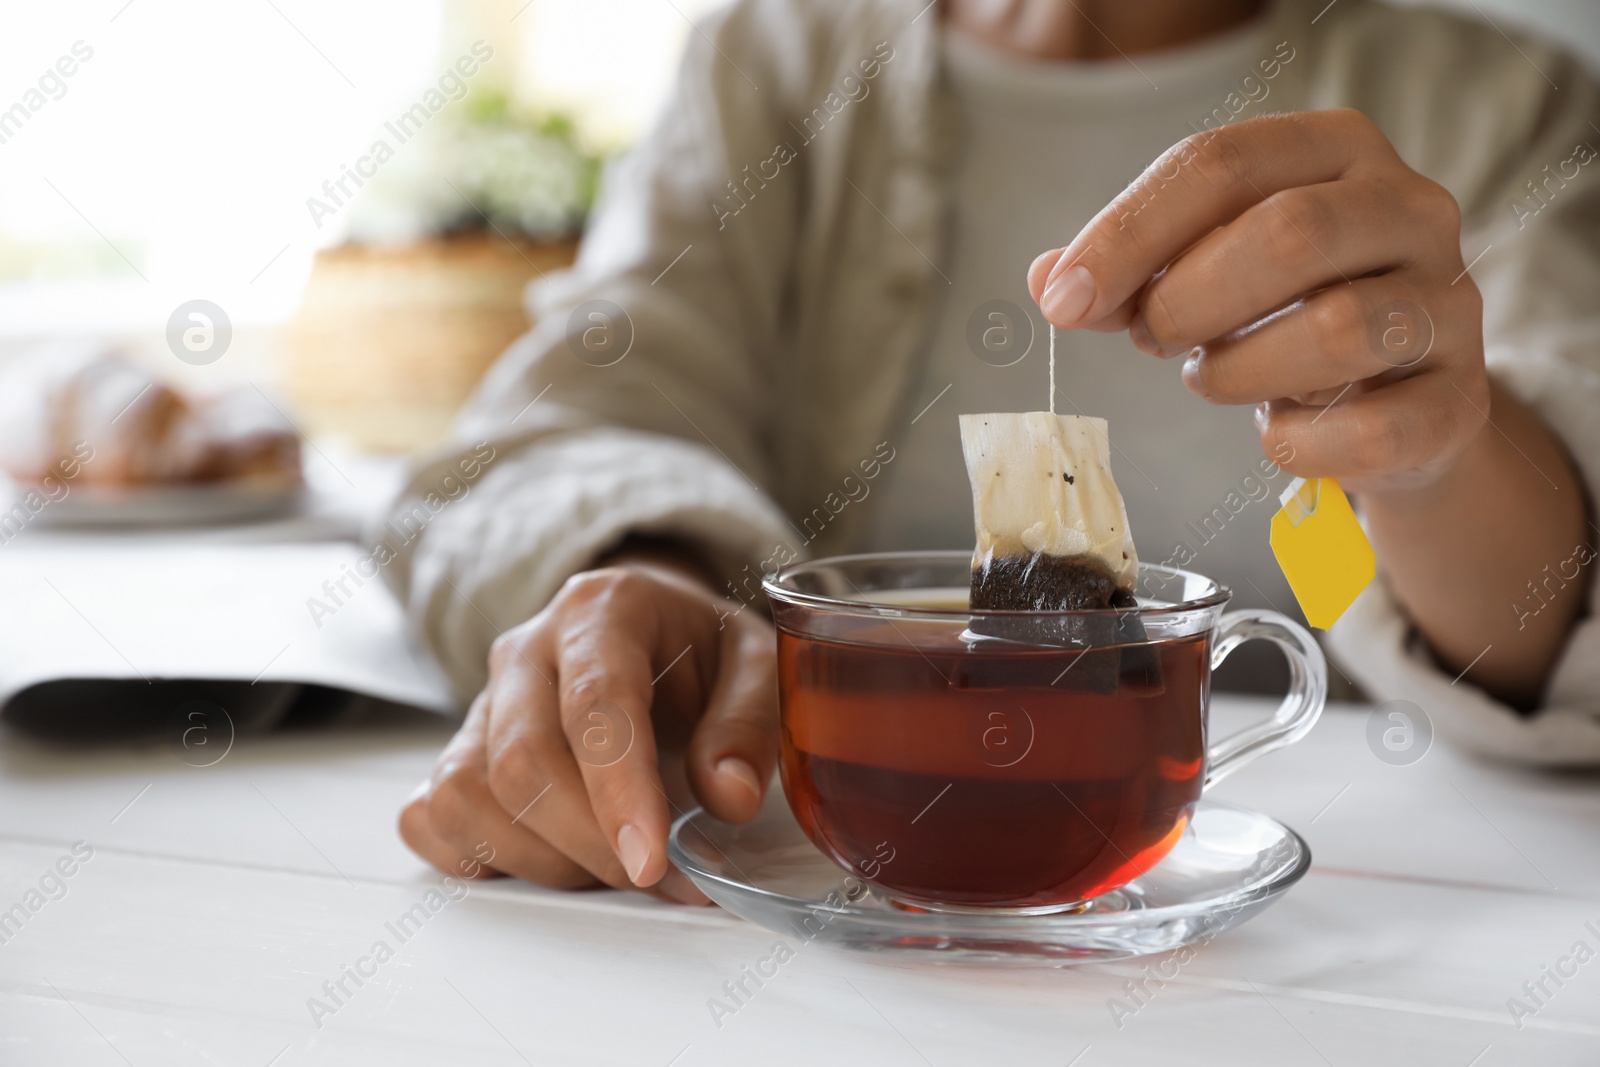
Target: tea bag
[
  {"x": 1052, "y": 535},
  {"x": 1052, "y": 531}
]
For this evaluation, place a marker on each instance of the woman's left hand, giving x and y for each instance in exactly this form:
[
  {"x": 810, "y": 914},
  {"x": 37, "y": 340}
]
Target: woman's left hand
[{"x": 1298, "y": 264}]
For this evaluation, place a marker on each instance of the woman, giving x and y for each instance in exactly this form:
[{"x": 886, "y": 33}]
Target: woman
[{"x": 791, "y": 290}]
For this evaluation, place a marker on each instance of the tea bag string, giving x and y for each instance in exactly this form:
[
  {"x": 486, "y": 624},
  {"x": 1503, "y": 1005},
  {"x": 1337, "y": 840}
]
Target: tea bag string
[{"x": 1052, "y": 368}]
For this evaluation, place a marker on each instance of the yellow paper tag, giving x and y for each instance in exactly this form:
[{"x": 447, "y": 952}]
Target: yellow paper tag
[{"x": 1322, "y": 549}]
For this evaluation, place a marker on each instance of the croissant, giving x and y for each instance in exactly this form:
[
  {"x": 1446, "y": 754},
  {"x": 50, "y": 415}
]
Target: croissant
[{"x": 118, "y": 425}]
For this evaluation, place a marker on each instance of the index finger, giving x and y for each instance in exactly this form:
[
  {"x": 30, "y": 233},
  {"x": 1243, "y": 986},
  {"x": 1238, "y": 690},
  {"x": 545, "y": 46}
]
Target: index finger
[
  {"x": 605, "y": 669},
  {"x": 1202, "y": 182},
  {"x": 531, "y": 770}
]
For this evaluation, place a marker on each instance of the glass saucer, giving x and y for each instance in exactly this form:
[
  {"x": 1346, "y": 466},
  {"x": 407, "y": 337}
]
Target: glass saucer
[{"x": 1230, "y": 864}]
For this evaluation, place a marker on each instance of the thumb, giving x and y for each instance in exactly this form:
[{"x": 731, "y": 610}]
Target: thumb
[{"x": 735, "y": 745}]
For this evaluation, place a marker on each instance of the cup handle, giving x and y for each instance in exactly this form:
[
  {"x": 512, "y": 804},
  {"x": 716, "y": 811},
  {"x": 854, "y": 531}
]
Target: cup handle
[{"x": 1308, "y": 689}]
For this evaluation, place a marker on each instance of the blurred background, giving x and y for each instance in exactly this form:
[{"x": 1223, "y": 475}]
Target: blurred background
[{"x": 199, "y": 151}]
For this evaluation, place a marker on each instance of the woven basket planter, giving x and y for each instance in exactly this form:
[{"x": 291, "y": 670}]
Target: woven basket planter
[{"x": 390, "y": 341}]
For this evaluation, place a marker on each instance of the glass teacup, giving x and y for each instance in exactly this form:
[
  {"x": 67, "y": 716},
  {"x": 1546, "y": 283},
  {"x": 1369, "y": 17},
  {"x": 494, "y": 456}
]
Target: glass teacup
[{"x": 1028, "y": 761}]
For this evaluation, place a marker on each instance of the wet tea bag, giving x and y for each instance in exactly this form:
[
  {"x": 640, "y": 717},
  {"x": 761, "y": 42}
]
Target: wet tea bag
[
  {"x": 1052, "y": 535},
  {"x": 1052, "y": 531}
]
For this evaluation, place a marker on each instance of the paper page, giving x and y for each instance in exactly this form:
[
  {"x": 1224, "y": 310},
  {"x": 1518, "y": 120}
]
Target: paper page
[{"x": 139, "y": 608}]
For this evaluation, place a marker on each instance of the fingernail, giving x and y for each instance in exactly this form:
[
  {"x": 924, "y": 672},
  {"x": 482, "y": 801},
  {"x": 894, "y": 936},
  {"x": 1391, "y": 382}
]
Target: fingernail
[
  {"x": 1067, "y": 298},
  {"x": 677, "y": 885},
  {"x": 1140, "y": 335},
  {"x": 741, "y": 772},
  {"x": 633, "y": 850},
  {"x": 1261, "y": 416},
  {"x": 1191, "y": 376}
]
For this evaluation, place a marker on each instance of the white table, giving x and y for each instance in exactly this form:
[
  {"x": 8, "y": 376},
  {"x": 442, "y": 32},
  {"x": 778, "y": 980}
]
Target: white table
[{"x": 219, "y": 899}]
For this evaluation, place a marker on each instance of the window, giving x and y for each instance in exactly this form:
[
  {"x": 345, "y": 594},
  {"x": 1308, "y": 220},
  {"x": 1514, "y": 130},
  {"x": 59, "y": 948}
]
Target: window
[{"x": 155, "y": 152}]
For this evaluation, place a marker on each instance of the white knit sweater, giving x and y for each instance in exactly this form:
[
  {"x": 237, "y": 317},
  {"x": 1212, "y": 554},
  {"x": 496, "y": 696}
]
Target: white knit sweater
[{"x": 774, "y": 245}]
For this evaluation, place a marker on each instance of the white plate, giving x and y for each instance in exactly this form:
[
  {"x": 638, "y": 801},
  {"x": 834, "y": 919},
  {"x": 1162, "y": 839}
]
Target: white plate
[{"x": 99, "y": 507}]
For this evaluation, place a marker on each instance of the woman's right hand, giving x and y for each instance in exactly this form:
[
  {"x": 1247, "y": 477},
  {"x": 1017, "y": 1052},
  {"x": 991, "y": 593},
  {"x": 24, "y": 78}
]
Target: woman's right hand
[{"x": 635, "y": 680}]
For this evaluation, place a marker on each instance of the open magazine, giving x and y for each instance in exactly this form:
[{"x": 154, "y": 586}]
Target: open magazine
[{"x": 145, "y": 610}]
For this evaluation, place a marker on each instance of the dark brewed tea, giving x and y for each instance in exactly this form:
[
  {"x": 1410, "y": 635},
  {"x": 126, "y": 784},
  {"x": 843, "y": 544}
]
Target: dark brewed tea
[{"x": 961, "y": 770}]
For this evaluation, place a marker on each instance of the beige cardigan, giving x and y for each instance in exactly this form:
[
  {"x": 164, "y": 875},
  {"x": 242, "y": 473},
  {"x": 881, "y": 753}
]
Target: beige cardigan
[{"x": 772, "y": 245}]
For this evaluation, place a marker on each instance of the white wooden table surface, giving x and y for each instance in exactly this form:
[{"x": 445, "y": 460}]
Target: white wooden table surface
[{"x": 218, "y": 900}]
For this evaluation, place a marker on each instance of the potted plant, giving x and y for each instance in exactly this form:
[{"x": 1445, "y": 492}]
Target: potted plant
[{"x": 401, "y": 320}]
